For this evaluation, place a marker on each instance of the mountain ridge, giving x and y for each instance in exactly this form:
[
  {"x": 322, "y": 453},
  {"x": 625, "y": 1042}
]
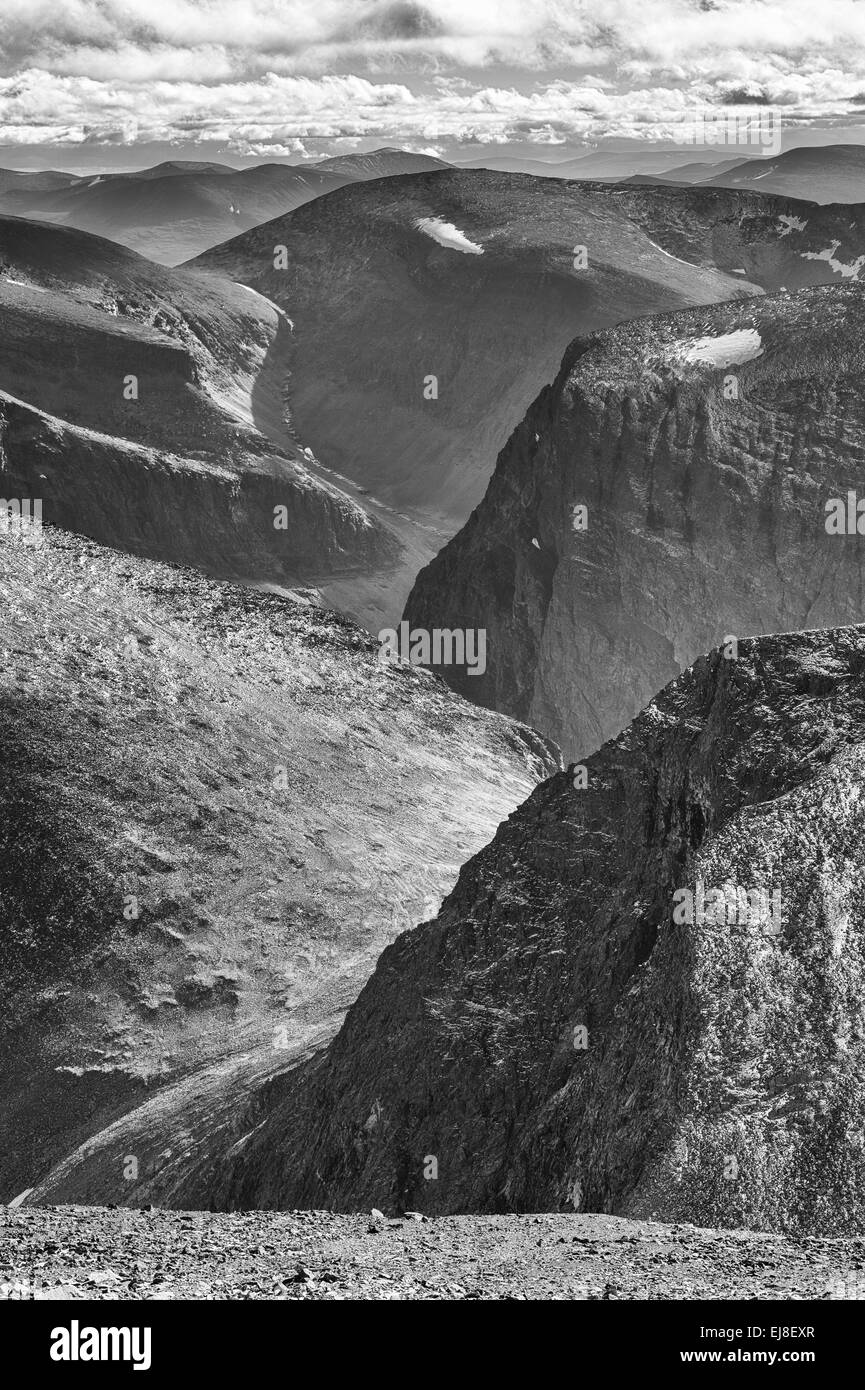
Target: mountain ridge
[{"x": 562, "y": 1036}]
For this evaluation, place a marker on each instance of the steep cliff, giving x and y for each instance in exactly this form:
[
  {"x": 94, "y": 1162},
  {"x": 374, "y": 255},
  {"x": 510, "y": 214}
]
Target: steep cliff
[
  {"x": 216, "y": 808},
  {"x": 704, "y": 446},
  {"x": 569, "y": 1033}
]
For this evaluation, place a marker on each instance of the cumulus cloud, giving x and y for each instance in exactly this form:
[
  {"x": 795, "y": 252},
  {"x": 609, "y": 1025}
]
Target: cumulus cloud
[{"x": 271, "y": 74}]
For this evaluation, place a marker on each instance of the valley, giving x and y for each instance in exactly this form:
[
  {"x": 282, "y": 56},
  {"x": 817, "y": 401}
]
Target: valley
[
  {"x": 366, "y": 485},
  {"x": 217, "y": 807}
]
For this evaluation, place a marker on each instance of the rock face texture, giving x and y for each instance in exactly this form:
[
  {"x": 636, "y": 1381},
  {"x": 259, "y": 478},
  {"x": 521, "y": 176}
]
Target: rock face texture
[
  {"x": 704, "y": 446},
  {"x": 216, "y": 808},
  {"x": 562, "y": 1036}
]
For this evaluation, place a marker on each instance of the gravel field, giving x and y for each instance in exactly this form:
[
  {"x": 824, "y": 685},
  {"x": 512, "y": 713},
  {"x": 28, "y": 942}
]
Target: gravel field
[{"x": 100, "y": 1253}]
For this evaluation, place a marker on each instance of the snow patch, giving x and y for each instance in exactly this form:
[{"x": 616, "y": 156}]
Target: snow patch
[
  {"x": 269, "y": 302},
  {"x": 446, "y": 234},
  {"x": 849, "y": 272},
  {"x": 727, "y": 350},
  {"x": 24, "y": 284},
  {"x": 791, "y": 224},
  {"x": 669, "y": 254}
]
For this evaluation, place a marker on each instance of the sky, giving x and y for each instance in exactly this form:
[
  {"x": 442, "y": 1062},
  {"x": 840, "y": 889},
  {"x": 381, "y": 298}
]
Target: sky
[{"x": 112, "y": 83}]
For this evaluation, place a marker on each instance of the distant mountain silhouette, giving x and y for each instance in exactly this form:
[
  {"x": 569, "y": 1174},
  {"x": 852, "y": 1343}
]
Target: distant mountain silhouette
[
  {"x": 174, "y": 210},
  {"x": 379, "y": 164},
  {"x": 821, "y": 173}
]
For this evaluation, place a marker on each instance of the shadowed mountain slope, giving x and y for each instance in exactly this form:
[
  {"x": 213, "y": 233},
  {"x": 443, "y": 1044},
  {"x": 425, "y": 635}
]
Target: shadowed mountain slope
[
  {"x": 128, "y": 397},
  {"x": 383, "y": 297},
  {"x": 216, "y": 808}
]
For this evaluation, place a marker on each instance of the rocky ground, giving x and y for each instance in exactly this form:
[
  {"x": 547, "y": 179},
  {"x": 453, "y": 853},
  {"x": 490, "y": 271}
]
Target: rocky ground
[{"x": 104, "y": 1253}]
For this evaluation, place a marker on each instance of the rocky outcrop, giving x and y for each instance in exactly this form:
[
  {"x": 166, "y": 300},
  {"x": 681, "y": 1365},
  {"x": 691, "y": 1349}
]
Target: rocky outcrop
[
  {"x": 569, "y": 1034},
  {"x": 703, "y": 447},
  {"x": 216, "y": 808}
]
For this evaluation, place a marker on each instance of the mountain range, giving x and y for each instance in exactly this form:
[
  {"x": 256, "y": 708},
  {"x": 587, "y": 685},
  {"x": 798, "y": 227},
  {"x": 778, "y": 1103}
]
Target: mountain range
[
  {"x": 290, "y": 922},
  {"x": 643, "y": 997},
  {"x": 179, "y": 208},
  {"x": 415, "y": 349},
  {"x": 819, "y": 174},
  {"x": 131, "y": 403}
]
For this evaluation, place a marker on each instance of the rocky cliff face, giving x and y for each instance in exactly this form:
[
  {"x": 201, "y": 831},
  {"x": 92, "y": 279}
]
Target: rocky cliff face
[
  {"x": 570, "y": 1034},
  {"x": 216, "y": 808},
  {"x": 703, "y": 447}
]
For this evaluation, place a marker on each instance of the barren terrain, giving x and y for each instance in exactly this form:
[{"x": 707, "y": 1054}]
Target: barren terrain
[{"x": 95, "y": 1253}]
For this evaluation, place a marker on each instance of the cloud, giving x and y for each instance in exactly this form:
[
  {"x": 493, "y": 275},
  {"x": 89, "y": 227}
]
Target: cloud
[{"x": 426, "y": 71}]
